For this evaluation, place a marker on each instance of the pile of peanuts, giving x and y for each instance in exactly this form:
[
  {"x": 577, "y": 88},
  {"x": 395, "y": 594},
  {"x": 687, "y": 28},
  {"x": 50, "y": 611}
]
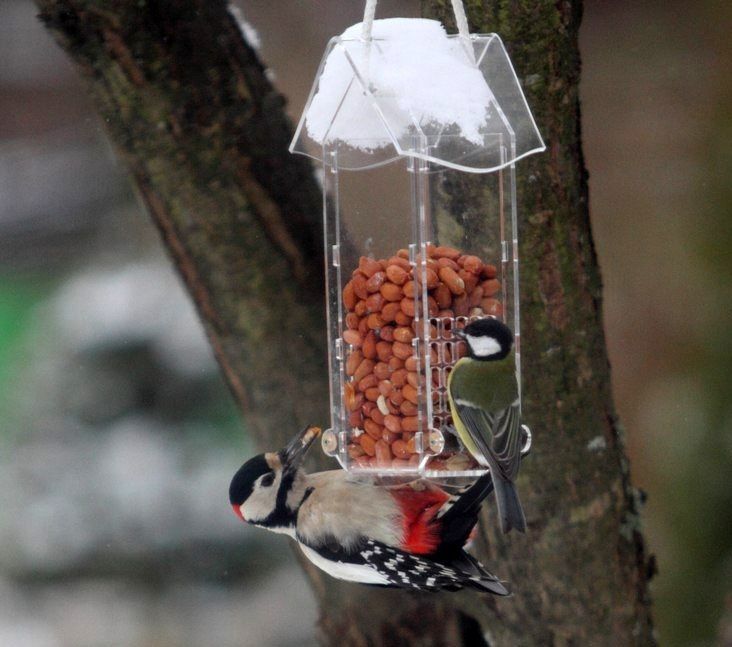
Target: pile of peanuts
[{"x": 381, "y": 394}]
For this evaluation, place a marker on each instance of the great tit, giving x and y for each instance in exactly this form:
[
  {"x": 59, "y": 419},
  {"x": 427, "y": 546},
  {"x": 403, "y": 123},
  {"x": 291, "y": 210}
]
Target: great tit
[{"x": 484, "y": 402}]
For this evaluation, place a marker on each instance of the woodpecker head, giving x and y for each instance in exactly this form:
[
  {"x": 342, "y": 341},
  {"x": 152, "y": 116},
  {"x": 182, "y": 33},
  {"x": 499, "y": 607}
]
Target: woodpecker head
[
  {"x": 266, "y": 491},
  {"x": 487, "y": 339}
]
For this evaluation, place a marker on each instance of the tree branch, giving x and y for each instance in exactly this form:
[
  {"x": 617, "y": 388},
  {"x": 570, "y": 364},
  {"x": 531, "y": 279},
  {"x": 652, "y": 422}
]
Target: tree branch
[{"x": 204, "y": 134}]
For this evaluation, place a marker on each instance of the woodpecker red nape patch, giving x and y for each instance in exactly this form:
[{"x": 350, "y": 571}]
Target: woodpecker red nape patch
[{"x": 419, "y": 508}]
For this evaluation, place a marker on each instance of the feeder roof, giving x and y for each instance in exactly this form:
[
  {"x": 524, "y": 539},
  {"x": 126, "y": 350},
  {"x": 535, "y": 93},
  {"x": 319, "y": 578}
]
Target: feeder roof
[{"x": 415, "y": 91}]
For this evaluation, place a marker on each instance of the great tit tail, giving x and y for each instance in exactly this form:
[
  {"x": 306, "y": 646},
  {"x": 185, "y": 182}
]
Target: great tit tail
[{"x": 509, "y": 507}]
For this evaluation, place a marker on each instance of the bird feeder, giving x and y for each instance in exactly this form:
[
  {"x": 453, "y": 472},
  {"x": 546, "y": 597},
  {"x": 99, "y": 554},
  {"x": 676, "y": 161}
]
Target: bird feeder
[{"x": 413, "y": 125}]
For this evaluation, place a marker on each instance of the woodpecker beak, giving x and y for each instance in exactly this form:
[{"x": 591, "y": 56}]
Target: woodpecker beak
[{"x": 293, "y": 454}]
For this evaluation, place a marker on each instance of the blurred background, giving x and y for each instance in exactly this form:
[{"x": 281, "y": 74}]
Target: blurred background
[{"x": 118, "y": 438}]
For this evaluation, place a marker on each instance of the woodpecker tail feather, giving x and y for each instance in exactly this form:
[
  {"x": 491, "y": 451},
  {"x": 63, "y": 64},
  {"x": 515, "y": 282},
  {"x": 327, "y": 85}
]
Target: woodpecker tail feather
[
  {"x": 489, "y": 586},
  {"x": 459, "y": 514},
  {"x": 509, "y": 507}
]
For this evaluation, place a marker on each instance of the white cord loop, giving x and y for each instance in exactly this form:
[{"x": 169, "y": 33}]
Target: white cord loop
[
  {"x": 368, "y": 19},
  {"x": 461, "y": 20}
]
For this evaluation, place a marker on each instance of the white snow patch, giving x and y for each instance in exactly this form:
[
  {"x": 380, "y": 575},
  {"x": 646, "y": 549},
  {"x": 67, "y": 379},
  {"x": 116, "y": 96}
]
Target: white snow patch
[
  {"x": 597, "y": 444},
  {"x": 137, "y": 302},
  {"x": 250, "y": 34},
  {"x": 417, "y": 74}
]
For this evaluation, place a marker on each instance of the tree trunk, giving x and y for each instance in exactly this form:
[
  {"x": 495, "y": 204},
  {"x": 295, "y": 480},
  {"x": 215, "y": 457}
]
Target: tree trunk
[{"x": 204, "y": 135}]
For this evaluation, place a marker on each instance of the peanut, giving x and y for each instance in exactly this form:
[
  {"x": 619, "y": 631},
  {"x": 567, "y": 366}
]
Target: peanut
[
  {"x": 469, "y": 279},
  {"x": 454, "y": 283},
  {"x": 353, "y": 361},
  {"x": 402, "y": 319},
  {"x": 382, "y": 370},
  {"x": 401, "y": 350},
  {"x": 355, "y": 419},
  {"x": 367, "y": 382},
  {"x": 446, "y": 262},
  {"x": 489, "y": 271},
  {"x": 399, "y": 377},
  {"x": 352, "y": 337},
  {"x": 401, "y": 262},
  {"x": 473, "y": 264},
  {"x": 492, "y": 307},
  {"x": 352, "y": 321},
  {"x": 368, "y": 266},
  {"x": 446, "y": 252},
  {"x": 383, "y": 453},
  {"x": 349, "y": 296},
  {"x": 376, "y": 415},
  {"x": 389, "y": 311},
  {"x": 359, "y": 286},
  {"x": 364, "y": 368},
  {"x": 385, "y": 387},
  {"x": 372, "y": 429},
  {"x": 375, "y": 282},
  {"x": 368, "y": 348},
  {"x": 375, "y": 302},
  {"x": 390, "y": 292},
  {"x": 395, "y": 363},
  {"x": 368, "y": 444},
  {"x": 392, "y": 423},
  {"x": 387, "y": 333},
  {"x": 443, "y": 296},
  {"x": 490, "y": 287},
  {"x": 396, "y": 274},
  {"x": 396, "y": 397},
  {"x": 407, "y": 306},
  {"x": 383, "y": 351},
  {"x": 410, "y": 393},
  {"x": 399, "y": 447}
]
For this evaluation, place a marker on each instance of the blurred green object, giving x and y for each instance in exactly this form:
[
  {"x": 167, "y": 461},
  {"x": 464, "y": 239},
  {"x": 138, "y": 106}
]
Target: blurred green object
[{"x": 18, "y": 297}]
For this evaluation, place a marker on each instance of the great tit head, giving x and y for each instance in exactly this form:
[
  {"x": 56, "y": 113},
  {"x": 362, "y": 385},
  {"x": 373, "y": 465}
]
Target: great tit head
[
  {"x": 487, "y": 339},
  {"x": 260, "y": 492}
]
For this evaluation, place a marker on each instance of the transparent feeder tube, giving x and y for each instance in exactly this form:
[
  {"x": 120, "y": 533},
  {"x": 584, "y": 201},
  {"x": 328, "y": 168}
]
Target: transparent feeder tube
[{"x": 390, "y": 231}]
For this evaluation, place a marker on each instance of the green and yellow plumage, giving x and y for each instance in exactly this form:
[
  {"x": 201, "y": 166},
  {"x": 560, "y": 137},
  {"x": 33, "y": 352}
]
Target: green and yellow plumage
[
  {"x": 484, "y": 401},
  {"x": 490, "y": 385}
]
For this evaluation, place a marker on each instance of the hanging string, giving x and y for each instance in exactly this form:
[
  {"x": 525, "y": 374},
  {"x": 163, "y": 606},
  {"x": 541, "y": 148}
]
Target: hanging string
[
  {"x": 368, "y": 19},
  {"x": 461, "y": 20}
]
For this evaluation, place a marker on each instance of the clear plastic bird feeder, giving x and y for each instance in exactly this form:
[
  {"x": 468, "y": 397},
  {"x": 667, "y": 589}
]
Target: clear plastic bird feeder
[{"x": 399, "y": 121}]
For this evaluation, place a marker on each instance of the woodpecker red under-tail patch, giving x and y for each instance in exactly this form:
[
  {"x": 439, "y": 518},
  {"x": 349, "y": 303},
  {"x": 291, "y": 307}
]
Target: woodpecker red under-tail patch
[{"x": 419, "y": 508}]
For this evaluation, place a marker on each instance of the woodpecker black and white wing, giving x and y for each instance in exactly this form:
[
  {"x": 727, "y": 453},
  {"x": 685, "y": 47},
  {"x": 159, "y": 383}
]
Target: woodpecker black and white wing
[{"x": 375, "y": 563}]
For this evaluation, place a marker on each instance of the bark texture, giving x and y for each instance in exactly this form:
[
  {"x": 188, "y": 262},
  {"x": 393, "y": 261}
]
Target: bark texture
[
  {"x": 188, "y": 106},
  {"x": 203, "y": 132}
]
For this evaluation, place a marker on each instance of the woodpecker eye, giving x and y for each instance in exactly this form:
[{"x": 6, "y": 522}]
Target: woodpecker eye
[{"x": 267, "y": 479}]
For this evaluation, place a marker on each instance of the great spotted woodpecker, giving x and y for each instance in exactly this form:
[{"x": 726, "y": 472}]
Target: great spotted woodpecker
[{"x": 409, "y": 536}]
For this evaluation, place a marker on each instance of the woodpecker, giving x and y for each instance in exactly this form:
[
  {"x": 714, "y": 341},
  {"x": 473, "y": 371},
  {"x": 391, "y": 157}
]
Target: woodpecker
[
  {"x": 408, "y": 536},
  {"x": 484, "y": 401}
]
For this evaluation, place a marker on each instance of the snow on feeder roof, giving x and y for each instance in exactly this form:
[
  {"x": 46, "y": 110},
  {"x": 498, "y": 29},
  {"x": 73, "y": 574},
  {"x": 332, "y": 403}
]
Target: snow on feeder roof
[{"x": 415, "y": 91}]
